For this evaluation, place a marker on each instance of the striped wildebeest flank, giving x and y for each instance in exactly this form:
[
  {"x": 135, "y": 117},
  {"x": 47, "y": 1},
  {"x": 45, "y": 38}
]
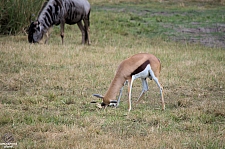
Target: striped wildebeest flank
[{"x": 55, "y": 12}]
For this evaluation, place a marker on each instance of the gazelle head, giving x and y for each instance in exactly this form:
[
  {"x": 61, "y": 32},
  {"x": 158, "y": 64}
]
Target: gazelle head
[
  {"x": 105, "y": 102},
  {"x": 35, "y": 33}
]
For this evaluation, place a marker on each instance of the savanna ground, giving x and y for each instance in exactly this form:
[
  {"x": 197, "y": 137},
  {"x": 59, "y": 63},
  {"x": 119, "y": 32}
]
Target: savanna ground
[{"x": 46, "y": 90}]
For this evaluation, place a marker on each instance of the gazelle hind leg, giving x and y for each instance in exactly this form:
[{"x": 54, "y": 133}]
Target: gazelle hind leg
[
  {"x": 160, "y": 87},
  {"x": 144, "y": 88}
]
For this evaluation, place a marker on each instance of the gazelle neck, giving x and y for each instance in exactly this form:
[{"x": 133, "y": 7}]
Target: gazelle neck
[{"x": 114, "y": 87}]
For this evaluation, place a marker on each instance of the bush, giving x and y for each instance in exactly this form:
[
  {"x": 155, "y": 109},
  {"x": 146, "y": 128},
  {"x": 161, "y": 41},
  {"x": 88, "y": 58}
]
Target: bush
[{"x": 16, "y": 15}]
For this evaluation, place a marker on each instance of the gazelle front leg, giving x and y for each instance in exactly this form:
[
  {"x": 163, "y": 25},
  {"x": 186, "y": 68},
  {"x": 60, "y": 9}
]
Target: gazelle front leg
[
  {"x": 118, "y": 101},
  {"x": 120, "y": 95},
  {"x": 130, "y": 82}
]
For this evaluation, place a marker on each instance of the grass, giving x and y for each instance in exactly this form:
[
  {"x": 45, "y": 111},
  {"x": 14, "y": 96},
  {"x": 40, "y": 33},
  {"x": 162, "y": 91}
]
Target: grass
[
  {"x": 46, "y": 90},
  {"x": 167, "y": 20}
]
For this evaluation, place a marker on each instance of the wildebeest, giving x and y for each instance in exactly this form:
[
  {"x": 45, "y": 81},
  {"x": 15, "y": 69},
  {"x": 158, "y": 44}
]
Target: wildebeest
[{"x": 55, "y": 12}]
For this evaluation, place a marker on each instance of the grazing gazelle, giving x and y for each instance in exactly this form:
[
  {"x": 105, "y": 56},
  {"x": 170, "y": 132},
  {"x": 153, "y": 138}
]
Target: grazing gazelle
[{"x": 142, "y": 65}]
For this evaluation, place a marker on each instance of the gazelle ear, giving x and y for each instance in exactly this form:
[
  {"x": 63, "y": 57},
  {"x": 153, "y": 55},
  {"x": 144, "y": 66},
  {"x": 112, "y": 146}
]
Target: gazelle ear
[{"x": 98, "y": 96}]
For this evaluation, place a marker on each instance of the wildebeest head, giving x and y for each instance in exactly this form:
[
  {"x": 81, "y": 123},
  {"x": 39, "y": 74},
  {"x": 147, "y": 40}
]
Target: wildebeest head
[{"x": 35, "y": 33}]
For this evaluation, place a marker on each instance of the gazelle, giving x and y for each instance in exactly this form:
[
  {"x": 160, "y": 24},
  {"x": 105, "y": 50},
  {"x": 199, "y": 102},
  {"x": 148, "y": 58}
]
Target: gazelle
[{"x": 142, "y": 65}]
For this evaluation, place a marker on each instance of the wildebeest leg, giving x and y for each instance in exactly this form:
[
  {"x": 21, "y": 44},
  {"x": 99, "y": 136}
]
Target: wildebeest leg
[
  {"x": 62, "y": 30},
  {"x": 81, "y": 27},
  {"x": 87, "y": 30},
  {"x": 47, "y": 35}
]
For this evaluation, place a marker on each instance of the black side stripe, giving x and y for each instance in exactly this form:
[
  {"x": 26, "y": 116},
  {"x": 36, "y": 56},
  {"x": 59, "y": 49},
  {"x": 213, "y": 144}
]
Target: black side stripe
[
  {"x": 140, "y": 68},
  {"x": 46, "y": 22},
  {"x": 49, "y": 18},
  {"x": 50, "y": 12}
]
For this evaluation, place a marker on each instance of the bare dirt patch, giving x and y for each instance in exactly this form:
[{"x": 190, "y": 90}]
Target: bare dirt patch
[
  {"x": 205, "y": 27},
  {"x": 208, "y": 36}
]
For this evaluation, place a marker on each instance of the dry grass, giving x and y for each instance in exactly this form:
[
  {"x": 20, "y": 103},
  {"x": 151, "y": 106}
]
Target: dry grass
[{"x": 46, "y": 90}]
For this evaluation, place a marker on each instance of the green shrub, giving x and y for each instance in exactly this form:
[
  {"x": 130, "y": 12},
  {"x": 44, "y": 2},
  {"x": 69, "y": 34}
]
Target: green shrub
[{"x": 16, "y": 15}]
